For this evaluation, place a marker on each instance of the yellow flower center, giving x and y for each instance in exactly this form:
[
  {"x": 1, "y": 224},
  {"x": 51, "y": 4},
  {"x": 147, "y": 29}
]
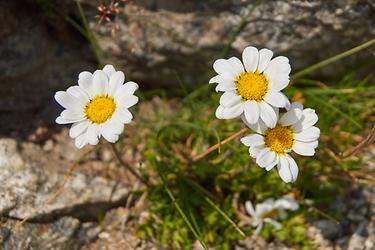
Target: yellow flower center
[
  {"x": 279, "y": 139},
  {"x": 251, "y": 85},
  {"x": 100, "y": 109},
  {"x": 270, "y": 214}
]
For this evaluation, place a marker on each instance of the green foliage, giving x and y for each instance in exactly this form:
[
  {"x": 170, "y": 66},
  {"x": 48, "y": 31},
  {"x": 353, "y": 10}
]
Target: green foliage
[{"x": 182, "y": 129}]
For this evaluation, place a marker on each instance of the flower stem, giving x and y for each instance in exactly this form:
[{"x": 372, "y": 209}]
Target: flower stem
[
  {"x": 333, "y": 59},
  {"x": 122, "y": 163},
  {"x": 89, "y": 35},
  {"x": 216, "y": 146}
]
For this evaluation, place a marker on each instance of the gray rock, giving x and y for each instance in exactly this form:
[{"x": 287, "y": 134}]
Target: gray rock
[
  {"x": 356, "y": 242},
  {"x": 328, "y": 228},
  {"x": 26, "y": 187},
  {"x": 53, "y": 223},
  {"x": 64, "y": 233},
  {"x": 40, "y": 54},
  {"x": 159, "y": 38}
]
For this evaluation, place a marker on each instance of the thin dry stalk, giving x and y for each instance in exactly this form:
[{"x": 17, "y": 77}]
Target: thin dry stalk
[
  {"x": 218, "y": 145},
  {"x": 360, "y": 145},
  {"x": 122, "y": 163}
]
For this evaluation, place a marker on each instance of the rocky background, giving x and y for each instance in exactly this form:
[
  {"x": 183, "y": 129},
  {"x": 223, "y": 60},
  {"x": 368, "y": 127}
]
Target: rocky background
[{"x": 158, "y": 42}]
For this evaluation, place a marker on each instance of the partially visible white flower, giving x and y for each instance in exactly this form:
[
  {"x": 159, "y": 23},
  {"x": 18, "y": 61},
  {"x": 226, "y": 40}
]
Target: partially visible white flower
[
  {"x": 252, "y": 88},
  {"x": 97, "y": 106},
  {"x": 294, "y": 131},
  {"x": 269, "y": 211}
]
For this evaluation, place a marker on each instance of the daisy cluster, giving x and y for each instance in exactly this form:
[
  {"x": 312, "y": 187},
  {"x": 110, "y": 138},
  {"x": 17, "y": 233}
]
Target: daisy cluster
[
  {"x": 98, "y": 106},
  {"x": 252, "y": 91}
]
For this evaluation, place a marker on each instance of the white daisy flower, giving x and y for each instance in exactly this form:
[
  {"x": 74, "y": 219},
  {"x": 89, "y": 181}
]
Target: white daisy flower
[
  {"x": 97, "y": 106},
  {"x": 269, "y": 211},
  {"x": 252, "y": 88},
  {"x": 294, "y": 131}
]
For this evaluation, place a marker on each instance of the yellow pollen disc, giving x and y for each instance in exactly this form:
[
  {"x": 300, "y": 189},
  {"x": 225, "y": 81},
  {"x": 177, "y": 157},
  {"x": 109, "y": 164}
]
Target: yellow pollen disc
[
  {"x": 279, "y": 139},
  {"x": 270, "y": 214},
  {"x": 100, "y": 109},
  {"x": 251, "y": 85}
]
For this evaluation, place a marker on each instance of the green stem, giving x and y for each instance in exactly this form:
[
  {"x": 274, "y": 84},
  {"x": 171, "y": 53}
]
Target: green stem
[
  {"x": 181, "y": 212},
  {"x": 333, "y": 59},
  {"x": 89, "y": 36}
]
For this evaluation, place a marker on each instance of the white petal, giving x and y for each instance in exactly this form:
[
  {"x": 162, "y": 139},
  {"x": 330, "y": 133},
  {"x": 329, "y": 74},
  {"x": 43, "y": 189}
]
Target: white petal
[
  {"x": 229, "y": 99},
  {"x": 259, "y": 228},
  {"x": 277, "y": 99},
  {"x": 259, "y": 127},
  {"x": 308, "y": 119},
  {"x": 266, "y": 159},
  {"x": 114, "y": 126},
  {"x": 92, "y": 134},
  {"x": 286, "y": 203},
  {"x": 78, "y": 93},
  {"x": 100, "y": 83},
  {"x": 273, "y": 163},
  {"x": 296, "y": 105},
  {"x": 109, "y": 70},
  {"x": 265, "y": 56},
  {"x": 71, "y": 115},
  {"x": 267, "y": 114},
  {"x": 251, "y": 110},
  {"x": 78, "y": 128},
  {"x": 216, "y": 79},
  {"x": 249, "y": 208},
  {"x": 307, "y": 135},
  {"x": 86, "y": 83},
  {"x": 253, "y": 140},
  {"x": 288, "y": 169},
  {"x": 68, "y": 101},
  {"x": 109, "y": 136},
  {"x": 220, "y": 112},
  {"x": 250, "y": 58},
  {"x": 81, "y": 140},
  {"x": 224, "y": 68},
  {"x": 254, "y": 151},
  {"x": 233, "y": 112},
  {"x": 278, "y": 82},
  {"x": 122, "y": 115},
  {"x": 236, "y": 65},
  {"x": 128, "y": 101},
  {"x": 61, "y": 120},
  {"x": 115, "y": 82},
  {"x": 225, "y": 86},
  {"x": 126, "y": 90},
  {"x": 290, "y": 117},
  {"x": 303, "y": 148},
  {"x": 278, "y": 65}
]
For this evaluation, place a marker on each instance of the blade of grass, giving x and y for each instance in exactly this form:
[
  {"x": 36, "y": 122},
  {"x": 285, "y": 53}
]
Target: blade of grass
[
  {"x": 181, "y": 212},
  {"x": 76, "y": 26},
  {"x": 332, "y": 59},
  {"x": 203, "y": 192},
  {"x": 90, "y": 36},
  {"x": 336, "y": 110}
]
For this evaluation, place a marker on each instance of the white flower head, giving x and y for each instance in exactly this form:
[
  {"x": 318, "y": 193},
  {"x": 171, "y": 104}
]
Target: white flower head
[
  {"x": 294, "y": 131},
  {"x": 97, "y": 106},
  {"x": 269, "y": 211},
  {"x": 252, "y": 88}
]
